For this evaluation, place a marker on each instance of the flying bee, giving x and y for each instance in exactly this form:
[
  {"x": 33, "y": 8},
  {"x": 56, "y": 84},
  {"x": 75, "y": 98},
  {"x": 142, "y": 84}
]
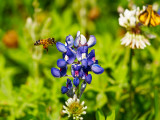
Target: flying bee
[
  {"x": 45, "y": 42},
  {"x": 149, "y": 17}
]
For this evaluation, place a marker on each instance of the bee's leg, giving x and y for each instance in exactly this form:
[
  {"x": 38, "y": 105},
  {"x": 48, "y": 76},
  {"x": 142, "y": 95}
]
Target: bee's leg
[
  {"x": 45, "y": 47},
  {"x": 47, "y": 50}
]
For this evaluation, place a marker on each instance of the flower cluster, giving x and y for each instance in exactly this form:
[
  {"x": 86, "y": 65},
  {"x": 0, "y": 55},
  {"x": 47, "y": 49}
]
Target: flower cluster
[
  {"x": 134, "y": 37},
  {"x": 75, "y": 53}
]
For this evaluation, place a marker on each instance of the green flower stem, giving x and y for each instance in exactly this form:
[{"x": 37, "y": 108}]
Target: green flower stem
[
  {"x": 130, "y": 78},
  {"x": 36, "y": 69},
  {"x": 78, "y": 91}
]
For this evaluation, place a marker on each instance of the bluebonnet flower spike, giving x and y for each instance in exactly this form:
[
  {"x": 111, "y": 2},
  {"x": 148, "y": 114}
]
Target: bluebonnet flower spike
[{"x": 79, "y": 69}]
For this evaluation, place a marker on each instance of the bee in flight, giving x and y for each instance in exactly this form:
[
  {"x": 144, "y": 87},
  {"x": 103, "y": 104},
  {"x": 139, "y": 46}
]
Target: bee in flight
[
  {"x": 149, "y": 17},
  {"x": 45, "y": 42}
]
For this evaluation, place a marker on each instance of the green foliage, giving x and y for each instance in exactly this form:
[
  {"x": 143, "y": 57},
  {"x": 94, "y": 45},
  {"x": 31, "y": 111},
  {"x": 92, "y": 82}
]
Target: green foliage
[
  {"x": 28, "y": 91},
  {"x": 111, "y": 116},
  {"x": 100, "y": 115}
]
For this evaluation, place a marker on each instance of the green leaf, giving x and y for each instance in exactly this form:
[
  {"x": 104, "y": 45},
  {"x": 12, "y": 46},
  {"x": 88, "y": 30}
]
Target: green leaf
[
  {"x": 101, "y": 99},
  {"x": 111, "y": 116},
  {"x": 156, "y": 100},
  {"x": 100, "y": 115}
]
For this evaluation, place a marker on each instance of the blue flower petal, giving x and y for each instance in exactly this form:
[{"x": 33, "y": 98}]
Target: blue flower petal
[
  {"x": 84, "y": 63},
  {"x": 69, "y": 84},
  {"x": 85, "y": 49},
  {"x": 97, "y": 69},
  {"x": 61, "y": 63},
  {"x": 69, "y": 41},
  {"x": 77, "y": 40},
  {"x": 90, "y": 62},
  {"x": 63, "y": 71},
  {"x": 91, "y": 41},
  {"x": 89, "y": 78},
  {"x": 61, "y": 47},
  {"x": 76, "y": 81},
  {"x": 72, "y": 71},
  {"x": 91, "y": 54},
  {"x": 64, "y": 89},
  {"x": 71, "y": 56},
  {"x": 79, "y": 54},
  {"x": 80, "y": 50},
  {"x": 91, "y": 57},
  {"x": 96, "y": 62},
  {"x": 81, "y": 73},
  {"x": 77, "y": 67},
  {"x": 55, "y": 72}
]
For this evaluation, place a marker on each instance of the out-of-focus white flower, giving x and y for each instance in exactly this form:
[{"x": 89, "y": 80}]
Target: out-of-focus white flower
[
  {"x": 75, "y": 108},
  {"x": 29, "y": 22},
  {"x": 134, "y": 41},
  {"x": 134, "y": 37},
  {"x": 129, "y": 18}
]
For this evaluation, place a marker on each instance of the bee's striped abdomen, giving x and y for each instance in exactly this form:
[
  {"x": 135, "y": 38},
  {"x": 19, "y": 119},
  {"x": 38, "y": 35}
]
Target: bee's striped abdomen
[{"x": 38, "y": 42}]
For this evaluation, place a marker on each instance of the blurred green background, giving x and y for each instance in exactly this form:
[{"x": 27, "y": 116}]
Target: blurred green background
[{"x": 28, "y": 91}]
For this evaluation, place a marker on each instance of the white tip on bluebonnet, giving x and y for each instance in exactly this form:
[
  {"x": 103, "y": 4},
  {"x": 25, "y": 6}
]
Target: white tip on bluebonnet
[
  {"x": 92, "y": 41},
  {"x": 77, "y": 40},
  {"x": 83, "y": 40}
]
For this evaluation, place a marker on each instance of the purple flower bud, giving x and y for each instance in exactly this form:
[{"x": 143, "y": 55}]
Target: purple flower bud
[
  {"x": 97, "y": 69},
  {"x": 61, "y": 63},
  {"x": 76, "y": 81},
  {"x": 61, "y": 47},
  {"x": 64, "y": 89},
  {"x": 55, "y": 72},
  {"x": 89, "y": 78}
]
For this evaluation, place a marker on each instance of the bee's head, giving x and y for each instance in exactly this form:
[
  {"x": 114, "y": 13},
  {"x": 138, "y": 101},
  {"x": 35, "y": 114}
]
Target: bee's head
[
  {"x": 53, "y": 40},
  {"x": 37, "y": 42}
]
